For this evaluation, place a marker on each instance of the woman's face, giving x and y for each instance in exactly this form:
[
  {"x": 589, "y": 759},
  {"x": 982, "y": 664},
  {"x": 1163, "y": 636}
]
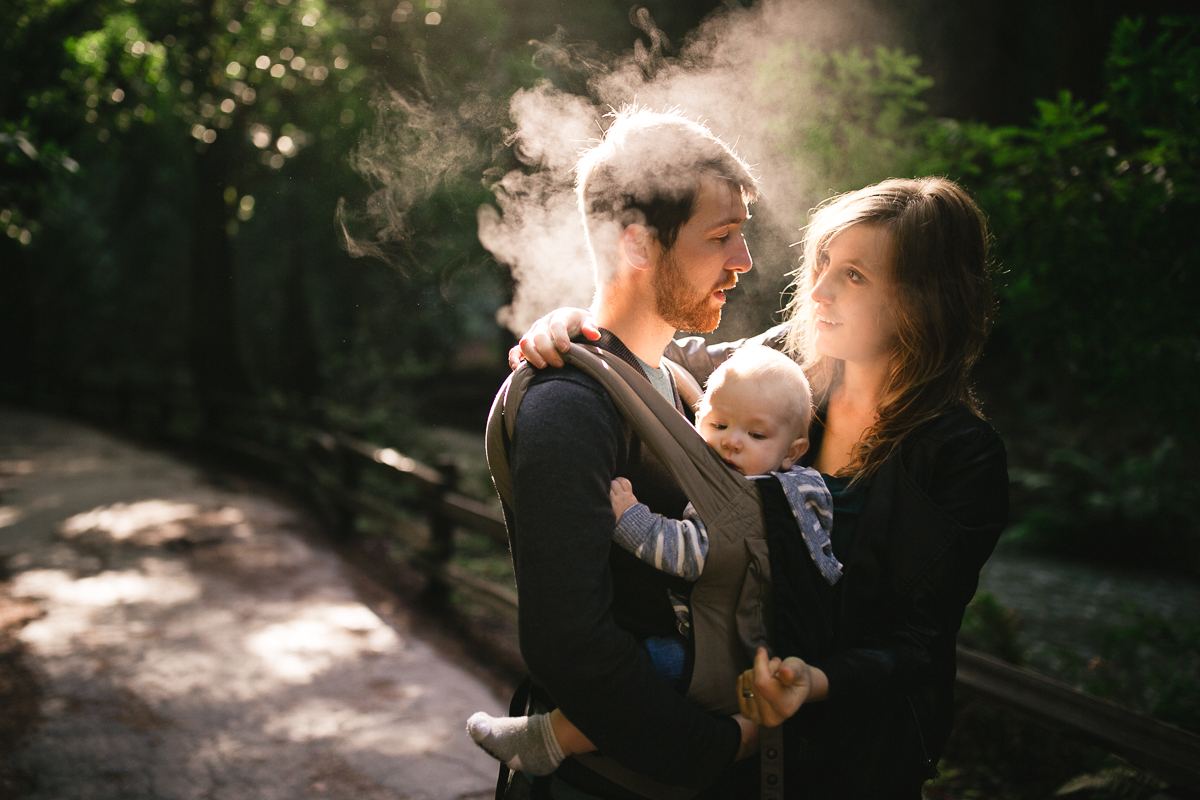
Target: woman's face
[{"x": 853, "y": 297}]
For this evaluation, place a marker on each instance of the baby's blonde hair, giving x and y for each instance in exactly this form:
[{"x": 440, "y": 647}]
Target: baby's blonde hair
[{"x": 781, "y": 379}]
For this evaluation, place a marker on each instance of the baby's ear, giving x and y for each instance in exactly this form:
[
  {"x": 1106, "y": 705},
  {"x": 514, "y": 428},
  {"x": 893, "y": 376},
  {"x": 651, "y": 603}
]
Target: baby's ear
[{"x": 796, "y": 449}]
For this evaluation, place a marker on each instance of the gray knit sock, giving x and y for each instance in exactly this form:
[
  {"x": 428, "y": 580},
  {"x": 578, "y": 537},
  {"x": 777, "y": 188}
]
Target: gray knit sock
[{"x": 525, "y": 744}]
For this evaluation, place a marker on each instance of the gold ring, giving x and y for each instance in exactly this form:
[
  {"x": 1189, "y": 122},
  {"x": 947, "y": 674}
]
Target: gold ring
[{"x": 747, "y": 693}]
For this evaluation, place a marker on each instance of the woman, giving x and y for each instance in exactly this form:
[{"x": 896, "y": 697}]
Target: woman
[{"x": 891, "y": 310}]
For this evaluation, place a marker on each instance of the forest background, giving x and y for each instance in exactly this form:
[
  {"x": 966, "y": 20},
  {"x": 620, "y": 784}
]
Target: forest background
[{"x": 289, "y": 200}]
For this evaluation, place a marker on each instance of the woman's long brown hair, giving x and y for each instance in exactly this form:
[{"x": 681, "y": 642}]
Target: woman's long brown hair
[{"x": 942, "y": 300}]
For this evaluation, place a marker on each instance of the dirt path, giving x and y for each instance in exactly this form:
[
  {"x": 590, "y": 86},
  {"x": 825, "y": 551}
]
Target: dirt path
[{"x": 164, "y": 637}]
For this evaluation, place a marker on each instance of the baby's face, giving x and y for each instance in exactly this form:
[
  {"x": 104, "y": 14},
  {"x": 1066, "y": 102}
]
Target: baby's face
[{"x": 753, "y": 437}]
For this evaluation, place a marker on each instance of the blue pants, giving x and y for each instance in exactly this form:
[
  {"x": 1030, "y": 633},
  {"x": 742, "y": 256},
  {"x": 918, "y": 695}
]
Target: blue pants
[{"x": 668, "y": 654}]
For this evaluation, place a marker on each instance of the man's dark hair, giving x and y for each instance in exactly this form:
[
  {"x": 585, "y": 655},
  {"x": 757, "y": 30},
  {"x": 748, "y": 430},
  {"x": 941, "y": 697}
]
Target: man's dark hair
[{"x": 647, "y": 170}]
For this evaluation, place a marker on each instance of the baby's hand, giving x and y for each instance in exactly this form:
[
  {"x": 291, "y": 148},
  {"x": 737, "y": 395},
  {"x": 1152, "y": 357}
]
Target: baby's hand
[{"x": 621, "y": 495}]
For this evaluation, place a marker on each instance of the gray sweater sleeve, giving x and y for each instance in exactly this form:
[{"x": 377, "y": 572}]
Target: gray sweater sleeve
[
  {"x": 700, "y": 359},
  {"x": 674, "y": 546}
]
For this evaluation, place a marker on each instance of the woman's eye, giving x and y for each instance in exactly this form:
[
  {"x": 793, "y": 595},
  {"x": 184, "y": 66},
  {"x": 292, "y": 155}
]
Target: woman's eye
[{"x": 854, "y": 275}]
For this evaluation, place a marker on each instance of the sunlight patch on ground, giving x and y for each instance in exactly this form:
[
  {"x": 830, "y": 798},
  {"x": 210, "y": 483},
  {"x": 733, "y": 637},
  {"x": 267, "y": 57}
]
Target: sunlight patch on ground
[
  {"x": 319, "y": 637},
  {"x": 122, "y": 520},
  {"x": 202, "y": 667},
  {"x": 153, "y": 522},
  {"x": 386, "y": 733},
  {"x": 158, "y": 581},
  {"x": 406, "y": 738},
  {"x": 317, "y": 718},
  {"x": 74, "y": 466},
  {"x": 56, "y": 633},
  {"x": 74, "y": 602}
]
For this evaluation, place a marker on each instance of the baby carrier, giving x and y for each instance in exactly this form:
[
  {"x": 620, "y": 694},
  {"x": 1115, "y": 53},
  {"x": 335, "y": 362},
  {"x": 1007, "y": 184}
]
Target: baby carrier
[{"x": 730, "y": 603}]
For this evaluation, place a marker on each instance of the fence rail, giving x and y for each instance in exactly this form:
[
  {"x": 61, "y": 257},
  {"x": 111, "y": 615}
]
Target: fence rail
[
  {"x": 332, "y": 466},
  {"x": 1170, "y": 752}
]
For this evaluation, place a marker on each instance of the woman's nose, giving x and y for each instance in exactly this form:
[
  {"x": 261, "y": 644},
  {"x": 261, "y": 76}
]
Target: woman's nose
[{"x": 821, "y": 290}]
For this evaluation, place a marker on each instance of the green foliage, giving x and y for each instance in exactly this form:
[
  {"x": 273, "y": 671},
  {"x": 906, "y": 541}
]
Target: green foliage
[
  {"x": 996, "y": 755},
  {"x": 146, "y": 143},
  {"x": 1144, "y": 661},
  {"x": 847, "y": 119},
  {"x": 1088, "y": 507},
  {"x": 1093, "y": 209},
  {"x": 1098, "y": 269},
  {"x": 1147, "y": 662},
  {"x": 1154, "y": 87},
  {"x": 991, "y": 627},
  {"x": 1121, "y": 782}
]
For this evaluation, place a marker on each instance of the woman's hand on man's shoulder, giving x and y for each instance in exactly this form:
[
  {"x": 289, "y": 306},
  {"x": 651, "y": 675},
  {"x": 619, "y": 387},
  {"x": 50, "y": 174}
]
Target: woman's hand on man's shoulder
[{"x": 550, "y": 336}]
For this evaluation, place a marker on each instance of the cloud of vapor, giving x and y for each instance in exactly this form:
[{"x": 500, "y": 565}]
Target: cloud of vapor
[
  {"x": 414, "y": 149},
  {"x": 538, "y": 230},
  {"x": 720, "y": 76}
]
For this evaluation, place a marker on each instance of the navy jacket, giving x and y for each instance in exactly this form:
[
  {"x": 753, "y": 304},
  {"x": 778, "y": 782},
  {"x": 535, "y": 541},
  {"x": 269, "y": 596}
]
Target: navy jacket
[{"x": 930, "y": 519}]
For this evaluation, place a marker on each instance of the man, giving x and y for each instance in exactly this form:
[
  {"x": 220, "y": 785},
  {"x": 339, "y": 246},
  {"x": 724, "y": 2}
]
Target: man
[{"x": 663, "y": 202}]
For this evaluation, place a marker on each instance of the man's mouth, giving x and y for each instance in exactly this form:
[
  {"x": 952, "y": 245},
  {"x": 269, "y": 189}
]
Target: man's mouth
[{"x": 719, "y": 293}]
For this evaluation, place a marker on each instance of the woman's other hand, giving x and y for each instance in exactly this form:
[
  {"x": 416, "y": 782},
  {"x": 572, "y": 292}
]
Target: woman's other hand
[
  {"x": 550, "y": 336},
  {"x": 775, "y": 688}
]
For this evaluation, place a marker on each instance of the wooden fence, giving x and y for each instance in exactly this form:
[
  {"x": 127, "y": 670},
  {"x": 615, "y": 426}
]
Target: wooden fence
[{"x": 336, "y": 467}]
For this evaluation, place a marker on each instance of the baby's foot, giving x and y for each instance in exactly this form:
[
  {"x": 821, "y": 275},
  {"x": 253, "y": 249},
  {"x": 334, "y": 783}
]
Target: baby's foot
[{"x": 525, "y": 744}]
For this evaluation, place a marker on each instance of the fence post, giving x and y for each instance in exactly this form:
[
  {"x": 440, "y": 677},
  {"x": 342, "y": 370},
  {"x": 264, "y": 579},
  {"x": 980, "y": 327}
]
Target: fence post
[{"x": 441, "y": 529}]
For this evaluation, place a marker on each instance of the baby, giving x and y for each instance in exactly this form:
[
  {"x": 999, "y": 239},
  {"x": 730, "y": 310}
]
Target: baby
[{"x": 755, "y": 414}]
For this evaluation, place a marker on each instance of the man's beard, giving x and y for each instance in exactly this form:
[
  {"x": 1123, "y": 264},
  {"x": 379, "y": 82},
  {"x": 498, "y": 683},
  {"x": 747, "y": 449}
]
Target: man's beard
[{"x": 675, "y": 303}]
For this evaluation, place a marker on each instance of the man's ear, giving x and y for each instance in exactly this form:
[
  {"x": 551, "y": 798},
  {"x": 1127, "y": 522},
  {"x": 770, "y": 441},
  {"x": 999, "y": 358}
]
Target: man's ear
[
  {"x": 796, "y": 449},
  {"x": 638, "y": 246}
]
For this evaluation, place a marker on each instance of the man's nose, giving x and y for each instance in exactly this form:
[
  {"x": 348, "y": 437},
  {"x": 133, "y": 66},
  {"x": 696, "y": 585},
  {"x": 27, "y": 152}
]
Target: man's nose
[{"x": 739, "y": 260}]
